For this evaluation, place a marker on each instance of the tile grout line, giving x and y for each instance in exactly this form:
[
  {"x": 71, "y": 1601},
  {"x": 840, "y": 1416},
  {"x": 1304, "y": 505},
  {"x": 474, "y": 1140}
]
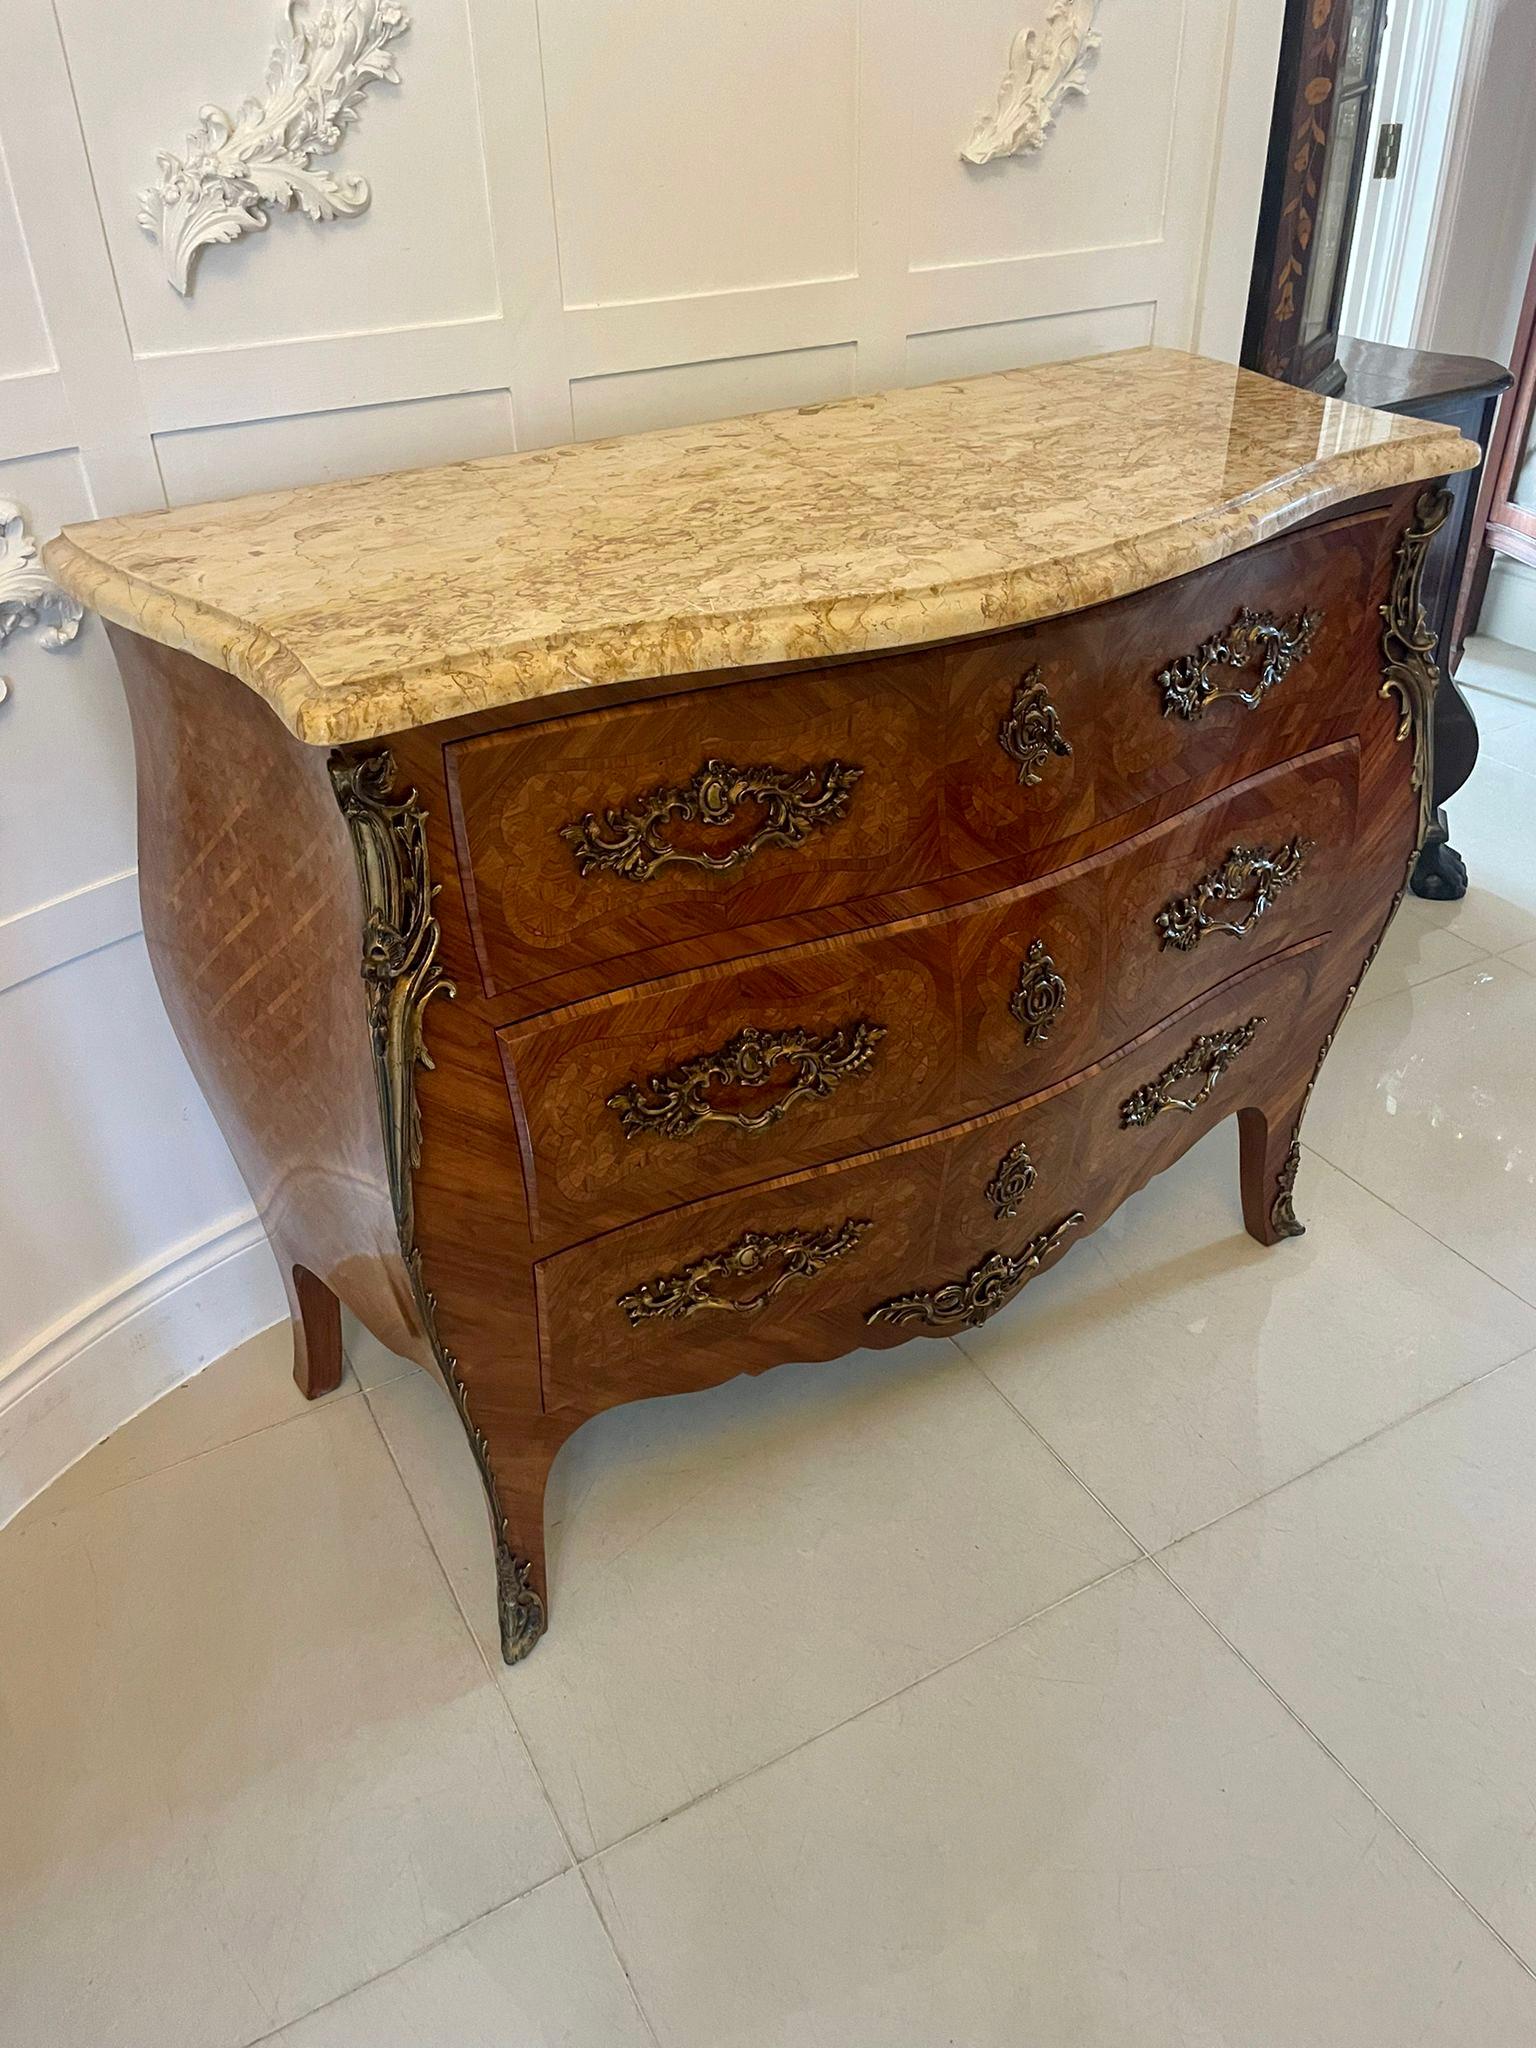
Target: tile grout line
[
  {"x": 858, "y": 1713},
  {"x": 1312, "y": 1735},
  {"x": 1143, "y": 1556},
  {"x": 1044, "y": 1441},
  {"x": 1365, "y": 999},
  {"x": 476, "y": 1644},
  {"x": 815, "y": 1736},
  {"x": 438, "y": 1941},
  {"x": 1527, "y": 1357},
  {"x": 1523, "y": 1355},
  {"x": 500, "y": 1690},
  {"x": 1445, "y": 1243},
  {"x": 325, "y": 1404}
]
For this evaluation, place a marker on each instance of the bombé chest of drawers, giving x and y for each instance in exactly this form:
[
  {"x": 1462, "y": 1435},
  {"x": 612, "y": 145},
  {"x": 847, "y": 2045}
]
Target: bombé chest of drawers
[{"x": 651, "y": 911}]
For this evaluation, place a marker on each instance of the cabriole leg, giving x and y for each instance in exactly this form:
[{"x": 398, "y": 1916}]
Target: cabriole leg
[
  {"x": 521, "y": 1459},
  {"x": 1269, "y": 1144},
  {"x": 316, "y": 1313}
]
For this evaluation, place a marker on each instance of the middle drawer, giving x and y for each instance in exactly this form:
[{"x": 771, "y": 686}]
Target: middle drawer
[{"x": 660, "y": 1094}]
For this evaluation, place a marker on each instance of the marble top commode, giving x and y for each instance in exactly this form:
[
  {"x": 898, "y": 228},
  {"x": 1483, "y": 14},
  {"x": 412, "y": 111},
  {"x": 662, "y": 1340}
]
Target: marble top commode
[
  {"x": 864, "y": 846},
  {"x": 367, "y": 607}
]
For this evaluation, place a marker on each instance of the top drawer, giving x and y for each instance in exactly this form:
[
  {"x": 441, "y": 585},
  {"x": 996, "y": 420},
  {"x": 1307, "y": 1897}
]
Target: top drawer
[{"x": 700, "y": 815}]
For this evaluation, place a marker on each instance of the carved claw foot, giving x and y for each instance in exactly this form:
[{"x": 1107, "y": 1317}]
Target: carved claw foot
[{"x": 1440, "y": 873}]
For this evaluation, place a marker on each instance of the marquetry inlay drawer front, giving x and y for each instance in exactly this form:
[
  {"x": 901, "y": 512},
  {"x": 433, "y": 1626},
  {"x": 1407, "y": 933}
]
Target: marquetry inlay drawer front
[
  {"x": 596, "y": 837},
  {"x": 1225, "y": 672},
  {"x": 694, "y": 821},
  {"x": 935, "y": 1234},
  {"x": 629, "y": 1104}
]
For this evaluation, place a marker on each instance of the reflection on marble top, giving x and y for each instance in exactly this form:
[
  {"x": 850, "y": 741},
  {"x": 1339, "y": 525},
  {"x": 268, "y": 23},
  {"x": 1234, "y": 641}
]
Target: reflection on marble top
[{"x": 364, "y": 607}]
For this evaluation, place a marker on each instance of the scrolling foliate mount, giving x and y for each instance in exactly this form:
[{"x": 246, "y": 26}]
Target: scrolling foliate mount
[
  {"x": 795, "y": 802},
  {"x": 29, "y": 598},
  {"x": 234, "y": 168},
  {"x": 676, "y": 1104},
  {"x": 987, "y": 1287},
  {"x": 1031, "y": 733},
  {"x": 1207, "y": 1059},
  {"x": 401, "y": 976},
  {"x": 801, "y": 1255},
  {"x": 1045, "y": 67},
  {"x": 1254, "y": 640},
  {"x": 1041, "y": 995},
  {"x": 1408, "y": 644},
  {"x": 1410, "y": 677},
  {"x": 1016, "y": 1174},
  {"x": 1250, "y": 874}
]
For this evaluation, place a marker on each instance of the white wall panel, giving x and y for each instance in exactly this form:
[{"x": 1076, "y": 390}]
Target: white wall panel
[
  {"x": 110, "y": 1152},
  {"x": 1100, "y": 179},
  {"x": 24, "y": 343},
  {"x": 1011, "y": 344},
  {"x": 66, "y": 754},
  {"x": 422, "y": 251},
  {"x": 700, "y": 147},
  {"x": 310, "y": 448},
  {"x": 684, "y": 393}
]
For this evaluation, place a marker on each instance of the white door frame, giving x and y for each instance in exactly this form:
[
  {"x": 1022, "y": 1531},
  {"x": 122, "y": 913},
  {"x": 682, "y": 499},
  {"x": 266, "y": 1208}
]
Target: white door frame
[{"x": 1433, "y": 54}]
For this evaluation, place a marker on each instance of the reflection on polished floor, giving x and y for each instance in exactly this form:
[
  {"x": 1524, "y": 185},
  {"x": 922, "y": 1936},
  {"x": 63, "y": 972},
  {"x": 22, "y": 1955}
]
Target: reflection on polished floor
[{"x": 1156, "y": 1668}]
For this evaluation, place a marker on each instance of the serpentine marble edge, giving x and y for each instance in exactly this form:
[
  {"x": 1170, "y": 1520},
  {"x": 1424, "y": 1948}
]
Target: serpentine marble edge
[{"x": 361, "y": 608}]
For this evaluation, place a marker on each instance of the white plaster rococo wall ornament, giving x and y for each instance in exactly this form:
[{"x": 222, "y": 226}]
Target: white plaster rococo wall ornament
[
  {"x": 1044, "y": 66},
  {"x": 27, "y": 596},
  {"x": 233, "y": 170}
]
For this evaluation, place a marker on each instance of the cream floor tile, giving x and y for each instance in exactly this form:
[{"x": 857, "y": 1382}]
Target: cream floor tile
[
  {"x": 1391, "y": 1600},
  {"x": 1523, "y": 957},
  {"x": 539, "y": 1973},
  {"x": 1417, "y": 948},
  {"x": 1429, "y": 1100},
  {"x": 248, "y": 1389},
  {"x": 1180, "y": 1369},
  {"x": 1510, "y": 739},
  {"x": 1494, "y": 710},
  {"x": 250, "y": 1755},
  {"x": 739, "y": 1570},
  {"x": 1099, "y": 1832},
  {"x": 1494, "y": 667},
  {"x": 1493, "y": 827},
  {"x": 367, "y": 1358}
]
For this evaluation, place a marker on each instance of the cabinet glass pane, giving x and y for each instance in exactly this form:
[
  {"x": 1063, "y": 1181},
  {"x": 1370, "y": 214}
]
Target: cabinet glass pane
[
  {"x": 1328, "y": 229},
  {"x": 1357, "y": 44}
]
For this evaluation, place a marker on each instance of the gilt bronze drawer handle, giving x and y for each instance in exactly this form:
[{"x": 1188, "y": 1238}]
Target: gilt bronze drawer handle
[
  {"x": 1253, "y": 640},
  {"x": 984, "y": 1290},
  {"x": 1249, "y": 874},
  {"x": 803, "y": 1252},
  {"x": 1031, "y": 732},
  {"x": 676, "y": 1104},
  {"x": 1206, "y": 1061},
  {"x": 1016, "y": 1174},
  {"x": 1041, "y": 995},
  {"x": 795, "y": 802}
]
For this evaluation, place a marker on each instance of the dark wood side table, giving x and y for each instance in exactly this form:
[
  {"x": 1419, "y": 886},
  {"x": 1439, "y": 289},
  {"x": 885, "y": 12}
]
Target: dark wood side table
[{"x": 1464, "y": 392}]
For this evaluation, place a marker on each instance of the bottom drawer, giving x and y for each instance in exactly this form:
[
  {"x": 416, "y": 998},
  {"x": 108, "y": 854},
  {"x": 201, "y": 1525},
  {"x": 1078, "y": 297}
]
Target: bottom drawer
[{"x": 923, "y": 1237}]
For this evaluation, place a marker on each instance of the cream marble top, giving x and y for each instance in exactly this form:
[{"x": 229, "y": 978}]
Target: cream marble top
[{"x": 361, "y": 608}]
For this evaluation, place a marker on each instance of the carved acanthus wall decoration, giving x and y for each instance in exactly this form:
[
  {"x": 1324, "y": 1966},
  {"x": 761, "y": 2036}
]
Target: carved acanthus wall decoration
[
  {"x": 235, "y": 169},
  {"x": 1044, "y": 67},
  {"x": 28, "y": 596}
]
